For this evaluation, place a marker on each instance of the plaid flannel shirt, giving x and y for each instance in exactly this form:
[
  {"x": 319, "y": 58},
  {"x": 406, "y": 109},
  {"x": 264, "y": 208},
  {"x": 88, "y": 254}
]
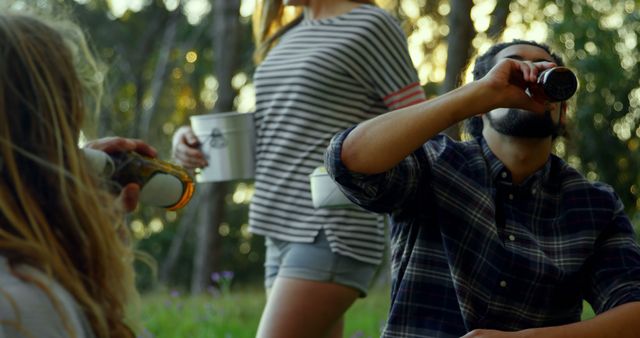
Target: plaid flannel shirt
[{"x": 472, "y": 250}]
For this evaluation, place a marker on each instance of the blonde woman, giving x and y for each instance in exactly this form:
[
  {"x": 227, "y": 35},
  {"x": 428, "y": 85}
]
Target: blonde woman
[
  {"x": 64, "y": 269},
  {"x": 337, "y": 64}
]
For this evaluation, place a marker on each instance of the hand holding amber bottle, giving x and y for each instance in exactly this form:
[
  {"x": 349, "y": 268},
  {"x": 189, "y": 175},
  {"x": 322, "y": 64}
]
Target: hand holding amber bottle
[{"x": 161, "y": 183}]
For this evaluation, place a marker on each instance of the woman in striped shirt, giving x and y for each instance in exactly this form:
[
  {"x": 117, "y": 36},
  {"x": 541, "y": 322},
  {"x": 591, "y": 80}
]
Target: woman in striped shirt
[{"x": 337, "y": 64}]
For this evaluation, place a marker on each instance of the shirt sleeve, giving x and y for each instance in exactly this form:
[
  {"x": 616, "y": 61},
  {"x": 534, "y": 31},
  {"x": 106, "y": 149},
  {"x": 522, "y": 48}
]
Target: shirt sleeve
[
  {"x": 384, "y": 66},
  {"x": 26, "y": 310},
  {"x": 615, "y": 265},
  {"x": 382, "y": 193}
]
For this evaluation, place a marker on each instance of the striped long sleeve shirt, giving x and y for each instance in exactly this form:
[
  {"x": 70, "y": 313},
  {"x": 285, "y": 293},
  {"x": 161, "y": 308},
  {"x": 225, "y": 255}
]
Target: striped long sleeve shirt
[{"x": 322, "y": 77}]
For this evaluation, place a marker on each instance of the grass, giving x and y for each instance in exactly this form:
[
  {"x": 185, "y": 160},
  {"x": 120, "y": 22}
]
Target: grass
[
  {"x": 236, "y": 314},
  {"x": 228, "y": 316}
]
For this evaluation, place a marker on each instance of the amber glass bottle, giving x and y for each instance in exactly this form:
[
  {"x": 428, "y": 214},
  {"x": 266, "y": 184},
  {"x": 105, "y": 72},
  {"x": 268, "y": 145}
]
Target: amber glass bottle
[
  {"x": 558, "y": 83},
  {"x": 162, "y": 184}
]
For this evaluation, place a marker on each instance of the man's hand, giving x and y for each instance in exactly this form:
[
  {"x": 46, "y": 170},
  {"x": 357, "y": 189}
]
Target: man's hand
[
  {"x": 479, "y": 333},
  {"x": 185, "y": 149},
  {"x": 510, "y": 79}
]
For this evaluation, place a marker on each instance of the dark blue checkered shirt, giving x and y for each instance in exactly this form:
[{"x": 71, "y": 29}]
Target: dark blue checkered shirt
[{"x": 471, "y": 250}]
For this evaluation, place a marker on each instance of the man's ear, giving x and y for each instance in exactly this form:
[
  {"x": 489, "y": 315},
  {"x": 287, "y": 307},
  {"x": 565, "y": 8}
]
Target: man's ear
[
  {"x": 561, "y": 129},
  {"x": 563, "y": 113},
  {"x": 563, "y": 106}
]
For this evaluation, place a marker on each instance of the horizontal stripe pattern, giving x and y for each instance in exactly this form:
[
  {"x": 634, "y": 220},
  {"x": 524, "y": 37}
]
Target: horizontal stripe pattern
[{"x": 321, "y": 78}]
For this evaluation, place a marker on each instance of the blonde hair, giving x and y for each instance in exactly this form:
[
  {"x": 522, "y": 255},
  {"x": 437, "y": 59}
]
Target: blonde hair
[
  {"x": 53, "y": 215},
  {"x": 270, "y": 23}
]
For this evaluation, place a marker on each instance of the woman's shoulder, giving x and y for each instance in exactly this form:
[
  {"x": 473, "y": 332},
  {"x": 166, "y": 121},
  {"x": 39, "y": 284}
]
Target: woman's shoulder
[
  {"x": 41, "y": 309},
  {"x": 15, "y": 292},
  {"x": 372, "y": 24},
  {"x": 373, "y": 10},
  {"x": 374, "y": 15}
]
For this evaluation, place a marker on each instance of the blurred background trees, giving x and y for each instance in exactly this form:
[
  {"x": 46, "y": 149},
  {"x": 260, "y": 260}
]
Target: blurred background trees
[{"x": 171, "y": 59}]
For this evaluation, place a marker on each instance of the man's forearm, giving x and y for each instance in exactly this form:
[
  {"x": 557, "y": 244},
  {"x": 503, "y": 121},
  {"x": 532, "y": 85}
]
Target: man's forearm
[
  {"x": 379, "y": 144},
  {"x": 620, "y": 322}
]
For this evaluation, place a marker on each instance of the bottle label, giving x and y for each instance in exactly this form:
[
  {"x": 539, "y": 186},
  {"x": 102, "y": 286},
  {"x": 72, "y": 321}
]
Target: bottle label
[
  {"x": 162, "y": 190},
  {"x": 99, "y": 162}
]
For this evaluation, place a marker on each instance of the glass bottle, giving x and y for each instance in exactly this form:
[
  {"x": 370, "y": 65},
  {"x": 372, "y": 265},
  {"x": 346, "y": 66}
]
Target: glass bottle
[
  {"x": 162, "y": 184},
  {"x": 557, "y": 83}
]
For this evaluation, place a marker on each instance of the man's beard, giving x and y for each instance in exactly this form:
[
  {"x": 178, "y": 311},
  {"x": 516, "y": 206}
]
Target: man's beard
[{"x": 526, "y": 124}]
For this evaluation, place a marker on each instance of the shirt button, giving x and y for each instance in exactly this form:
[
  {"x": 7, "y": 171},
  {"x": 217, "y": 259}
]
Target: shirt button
[
  {"x": 512, "y": 238},
  {"x": 503, "y": 284},
  {"x": 504, "y": 174},
  {"x": 511, "y": 196}
]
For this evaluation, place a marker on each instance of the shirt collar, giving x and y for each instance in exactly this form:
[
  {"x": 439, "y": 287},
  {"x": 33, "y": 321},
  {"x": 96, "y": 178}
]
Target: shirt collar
[{"x": 499, "y": 172}]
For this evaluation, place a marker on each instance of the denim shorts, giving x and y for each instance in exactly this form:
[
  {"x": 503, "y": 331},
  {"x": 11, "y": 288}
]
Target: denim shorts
[{"x": 315, "y": 261}]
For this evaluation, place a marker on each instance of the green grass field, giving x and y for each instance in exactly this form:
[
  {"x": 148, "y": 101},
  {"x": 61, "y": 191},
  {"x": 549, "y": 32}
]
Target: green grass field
[{"x": 236, "y": 314}]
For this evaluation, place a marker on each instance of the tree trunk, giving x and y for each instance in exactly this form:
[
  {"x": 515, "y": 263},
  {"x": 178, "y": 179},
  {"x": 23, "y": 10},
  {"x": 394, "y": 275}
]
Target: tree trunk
[
  {"x": 146, "y": 46},
  {"x": 186, "y": 224},
  {"x": 207, "y": 253},
  {"x": 159, "y": 74},
  {"x": 226, "y": 29},
  {"x": 498, "y": 19},
  {"x": 461, "y": 34}
]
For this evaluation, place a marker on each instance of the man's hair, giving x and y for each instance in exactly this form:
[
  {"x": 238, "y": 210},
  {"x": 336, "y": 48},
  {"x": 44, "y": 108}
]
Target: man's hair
[{"x": 484, "y": 63}]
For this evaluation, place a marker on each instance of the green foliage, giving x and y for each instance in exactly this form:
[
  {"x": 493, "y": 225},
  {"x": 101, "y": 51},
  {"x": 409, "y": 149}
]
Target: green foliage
[
  {"x": 242, "y": 253},
  {"x": 156, "y": 246},
  {"x": 607, "y": 116}
]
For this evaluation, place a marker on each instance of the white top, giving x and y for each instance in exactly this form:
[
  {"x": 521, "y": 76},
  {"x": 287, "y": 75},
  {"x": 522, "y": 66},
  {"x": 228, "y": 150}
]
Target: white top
[
  {"x": 322, "y": 77},
  {"x": 27, "y": 305}
]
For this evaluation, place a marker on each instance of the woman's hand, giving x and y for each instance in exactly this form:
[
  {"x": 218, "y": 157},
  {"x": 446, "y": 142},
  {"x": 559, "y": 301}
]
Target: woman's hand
[
  {"x": 112, "y": 145},
  {"x": 186, "y": 149},
  {"x": 127, "y": 200}
]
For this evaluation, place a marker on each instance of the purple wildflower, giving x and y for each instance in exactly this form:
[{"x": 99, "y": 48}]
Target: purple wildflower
[{"x": 358, "y": 334}]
